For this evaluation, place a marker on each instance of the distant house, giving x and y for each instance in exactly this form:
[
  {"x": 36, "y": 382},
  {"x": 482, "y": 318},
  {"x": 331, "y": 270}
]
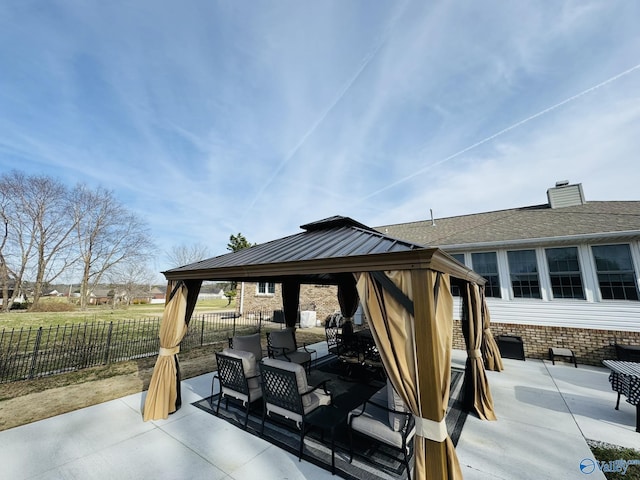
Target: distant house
[
  {"x": 101, "y": 296},
  {"x": 214, "y": 293},
  {"x": 563, "y": 273},
  {"x": 157, "y": 295}
]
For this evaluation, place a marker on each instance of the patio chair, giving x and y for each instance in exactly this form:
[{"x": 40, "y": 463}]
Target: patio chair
[
  {"x": 248, "y": 343},
  {"x": 331, "y": 333},
  {"x": 286, "y": 393},
  {"x": 384, "y": 418},
  {"x": 282, "y": 345},
  {"x": 239, "y": 379}
]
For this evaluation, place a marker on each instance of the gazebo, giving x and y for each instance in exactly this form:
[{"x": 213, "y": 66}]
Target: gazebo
[{"x": 405, "y": 292}]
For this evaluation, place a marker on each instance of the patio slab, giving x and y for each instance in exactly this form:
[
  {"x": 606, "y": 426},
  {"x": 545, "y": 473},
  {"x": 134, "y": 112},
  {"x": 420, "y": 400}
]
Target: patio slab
[{"x": 545, "y": 412}]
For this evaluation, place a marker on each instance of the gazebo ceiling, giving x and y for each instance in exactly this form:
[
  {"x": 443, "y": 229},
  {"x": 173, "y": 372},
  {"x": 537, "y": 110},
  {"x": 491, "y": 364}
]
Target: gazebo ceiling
[{"x": 322, "y": 254}]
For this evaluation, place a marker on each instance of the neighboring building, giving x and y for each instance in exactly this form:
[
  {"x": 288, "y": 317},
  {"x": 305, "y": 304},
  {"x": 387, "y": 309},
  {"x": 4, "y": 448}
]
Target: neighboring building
[
  {"x": 267, "y": 297},
  {"x": 156, "y": 295},
  {"x": 564, "y": 273}
]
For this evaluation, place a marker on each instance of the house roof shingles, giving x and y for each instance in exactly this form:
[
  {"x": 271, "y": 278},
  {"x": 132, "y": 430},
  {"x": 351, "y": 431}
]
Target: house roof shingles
[{"x": 540, "y": 222}]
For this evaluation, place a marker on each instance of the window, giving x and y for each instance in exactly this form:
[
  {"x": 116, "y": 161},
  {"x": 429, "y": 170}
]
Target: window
[
  {"x": 266, "y": 288},
  {"x": 616, "y": 275},
  {"x": 455, "y": 289},
  {"x": 564, "y": 272},
  {"x": 486, "y": 264},
  {"x": 523, "y": 270}
]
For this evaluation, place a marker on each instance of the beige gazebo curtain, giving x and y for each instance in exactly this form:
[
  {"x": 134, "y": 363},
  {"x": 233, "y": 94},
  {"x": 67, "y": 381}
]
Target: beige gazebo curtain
[
  {"x": 163, "y": 396},
  {"x": 477, "y": 394},
  {"x": 411, "y": 313},
  {"x": 489, "y": 347}
]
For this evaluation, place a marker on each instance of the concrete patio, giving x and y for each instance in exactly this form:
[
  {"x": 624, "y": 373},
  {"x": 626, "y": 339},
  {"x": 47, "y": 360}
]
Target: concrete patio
[{"x": 545, "y": 414}]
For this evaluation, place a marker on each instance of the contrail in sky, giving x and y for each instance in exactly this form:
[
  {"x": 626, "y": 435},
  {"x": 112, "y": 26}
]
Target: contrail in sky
[
  {"x": 501, "y": 132},
  {"x": 341, "y": 93}
]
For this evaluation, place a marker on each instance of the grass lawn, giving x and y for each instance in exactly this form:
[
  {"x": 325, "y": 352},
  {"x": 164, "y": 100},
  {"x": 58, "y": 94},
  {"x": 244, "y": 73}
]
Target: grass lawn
[{"x": 103, "y": 313}]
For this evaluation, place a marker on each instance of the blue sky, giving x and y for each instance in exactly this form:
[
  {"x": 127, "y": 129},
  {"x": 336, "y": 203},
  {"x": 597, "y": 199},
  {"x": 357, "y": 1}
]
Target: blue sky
[{"x": 212, "y": 118}]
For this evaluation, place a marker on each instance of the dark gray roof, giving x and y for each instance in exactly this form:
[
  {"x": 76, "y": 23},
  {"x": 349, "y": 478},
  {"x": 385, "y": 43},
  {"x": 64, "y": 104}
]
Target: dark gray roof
[
  {"x": 536, "y": 224},
  {"x": 324, "y": 251}
]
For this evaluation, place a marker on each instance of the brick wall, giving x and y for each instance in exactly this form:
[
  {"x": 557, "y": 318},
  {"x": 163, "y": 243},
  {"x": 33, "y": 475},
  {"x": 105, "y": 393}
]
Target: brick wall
[
  {"x": 589, "y": 346},
  {"x": 323, "y": 299}
]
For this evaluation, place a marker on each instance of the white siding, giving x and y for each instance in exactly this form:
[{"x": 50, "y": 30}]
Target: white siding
[
  {"x": 624, "y": 316},
  {"x": 591, "y": 313}
]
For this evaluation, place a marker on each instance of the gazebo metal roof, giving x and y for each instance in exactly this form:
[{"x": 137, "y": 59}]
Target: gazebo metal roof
[{"x": 321, "y": 254}]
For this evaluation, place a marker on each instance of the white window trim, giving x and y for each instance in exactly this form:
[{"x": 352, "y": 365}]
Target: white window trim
[
  {"x": 507, "y": 274},
  {"x": 265, "y": 293},
  {"x": 635, "y": 261}
]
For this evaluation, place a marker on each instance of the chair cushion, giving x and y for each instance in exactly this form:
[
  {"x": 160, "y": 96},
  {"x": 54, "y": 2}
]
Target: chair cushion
[
  {"x": 296, "y": 357},
  {"x": 301, "y": 376},
  {"x": 254, "y": 394},
  {"x": 248, "y": 363},
  {"x": 249, "y": 343},
  {"x": 395, "y": 402},
  {"x": 283, "y": 339},
  {"x": 313, "y": 400},
  {"x": 374, "y": 423}
]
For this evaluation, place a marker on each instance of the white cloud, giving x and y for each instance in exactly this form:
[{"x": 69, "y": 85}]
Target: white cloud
[{"x": 216, "y": 118}]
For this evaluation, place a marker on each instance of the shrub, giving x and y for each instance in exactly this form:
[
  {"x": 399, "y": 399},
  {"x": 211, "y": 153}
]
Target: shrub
[
  {"x": 19, "y": 306},
  {"x": 53, "y": 307}
]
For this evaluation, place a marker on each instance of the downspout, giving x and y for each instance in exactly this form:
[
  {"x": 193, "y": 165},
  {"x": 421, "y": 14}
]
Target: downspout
[{"x": 241, "y": 298}]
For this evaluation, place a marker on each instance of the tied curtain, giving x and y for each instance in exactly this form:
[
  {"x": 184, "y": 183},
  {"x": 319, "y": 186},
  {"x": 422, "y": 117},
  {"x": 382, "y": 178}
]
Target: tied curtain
[
  {"x": 348, "y": 296},
  {"x": 477, "y": 394},
  {"x": 163, "y": 396},
  {"x": 411, "y": 313},
  {"x": 489, "y": 347}
]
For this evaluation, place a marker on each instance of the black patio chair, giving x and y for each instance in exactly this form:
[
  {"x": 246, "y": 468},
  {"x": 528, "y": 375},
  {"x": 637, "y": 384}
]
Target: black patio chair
[
  {"x": 238, "y": 379},
  {"x": 248, "y": 343},
  {"x": 385, "y": 419},
  {"x": 331, "y": 333},
  {"x": 282, "y": 344},
  {"x": 286, "y": 393}
]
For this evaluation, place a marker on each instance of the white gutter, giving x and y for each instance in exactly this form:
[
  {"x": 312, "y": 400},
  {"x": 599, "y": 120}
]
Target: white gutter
[{"x": 581, "y": 238}]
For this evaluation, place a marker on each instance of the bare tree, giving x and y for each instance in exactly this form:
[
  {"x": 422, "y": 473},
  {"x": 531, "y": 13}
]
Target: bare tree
[
  {"x": 108, "y": 235},
  {"x": 131, "y": 280},
  {"x": 5, "y": 272},
  {"x": 180, "y": 255},
  {"x": 36, "y": 232}
]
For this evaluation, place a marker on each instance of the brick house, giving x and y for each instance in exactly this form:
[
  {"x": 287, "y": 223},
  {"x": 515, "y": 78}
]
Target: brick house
[{"x": 564, "y": 273}]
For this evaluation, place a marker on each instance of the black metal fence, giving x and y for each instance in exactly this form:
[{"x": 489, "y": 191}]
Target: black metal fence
[{"x": 31, "y": 352}]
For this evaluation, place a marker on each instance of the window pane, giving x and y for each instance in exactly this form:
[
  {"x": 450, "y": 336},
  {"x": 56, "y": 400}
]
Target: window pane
[
  {"x": 564, "y": 272},
  {"x": 459, "y": 257},
  {"x": 616, "y": 274},
  {"x": 486, "y": 264},
  {"x": 266, "y": 288},
  {"x": 523, "y": 270}
]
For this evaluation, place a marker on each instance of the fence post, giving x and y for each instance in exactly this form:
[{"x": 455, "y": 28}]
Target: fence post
[
  {"x": 106, "y": 353},
  {"x": 202, "y": 330},
  {"x": 34, "y": 359},
  {"x": 234, "y": 324}
]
